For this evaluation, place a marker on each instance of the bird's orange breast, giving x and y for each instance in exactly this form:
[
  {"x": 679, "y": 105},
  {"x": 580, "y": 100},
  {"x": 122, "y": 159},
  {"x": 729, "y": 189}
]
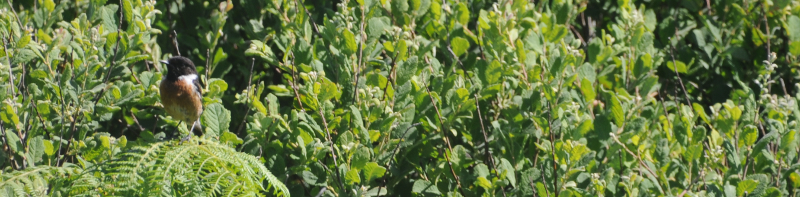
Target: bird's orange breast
[{"x": 180, "y": 100}]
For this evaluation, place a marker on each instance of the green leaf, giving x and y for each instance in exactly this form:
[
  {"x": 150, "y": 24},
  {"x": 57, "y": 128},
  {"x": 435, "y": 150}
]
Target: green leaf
[
  {"x": 311, "y": 178},
  {"x": 36, "y": 148},
  {"x": 372, "y": 170},
  {"x": 24, "y": 40},
  {"x": 460, "y": 46},
  {"x": 421, "y": 6},
  {"x": 402, "y": 50},
  {"x": 23, "y": 56},
  {"x": 50, "y": 5},
  {"x": 216, "y": 88},
  {"x": 555, "y": 34},
  {"x": 681, "y": 66},
  {"x": 586, "y": 71},
  {"x": 127, "y": 9},
  {"x": 788, "y": 141},
  {"x": 230, "y": 138},
  {"x": 509, "y": 172},
  {"x": 350, "y": 45},
  {"x": 389, "y": 46},
  {"x": 328, "y": 90},
  {"x": 360, "y": 158},
  {"x": 492, "y": 73},
  {"x": 482, "y": 170},
  {"x": 793, "y": 29},
  {"x": 616, "y": 110},
  {"x": 215, "y": 119},
  {"x": 375, "y": 27},
  {"x": 352, "y": 177},
  {"x": 107, "y": 15},
  {"x": 746, "y": 186},
  {"x": 748, "y": 136},
  {"x": 693, "y": 152},
  {"x": 588, "y": 91},
  {"x": 425, "y": 187},
  {"x": 462, "y": 13},
  {"x": 8, "y": 116},
  {"x": 795, "y": 178},
  {"x": 13, "y": 142},
  {"x": 48, "y": 148},
  {"x": 484, "y": 183},
  {"x": 794, "y": 47}
]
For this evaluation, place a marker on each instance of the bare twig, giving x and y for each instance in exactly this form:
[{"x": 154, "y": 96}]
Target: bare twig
[
  {"x": 136, "y": 120},
  {"x": 35, "y": 109},
  {"x": 134, "y": 74},
  {"x": 10, "y": 74},
  {"x": 294, "y": 87},
  {"x": 360, "y": 52},
  {"x": 15, "y": 12},
  {"x": 444, "y": 135},
  {"x": 553, "y": 149},
  {"x": 5, "y": 142},
  {"x": 486, "y": 139},
  {"x": 639, "y": 159},
  {"x": 113, "y": 60},
  {"x": 675, "y": 69},
  {"x": 390, "y": 78},
  {"x": 316, "y": 32},
  {"x": 99, "y": 95},
  {"x": 174, "y": 36},
  {"x": 394, "y": 152},
  {"x": 575, "y": 31},
  {"x": 247, "y": 101},
  {"x": 333, "y": 150},
  {"x": 541, "y": 166}
]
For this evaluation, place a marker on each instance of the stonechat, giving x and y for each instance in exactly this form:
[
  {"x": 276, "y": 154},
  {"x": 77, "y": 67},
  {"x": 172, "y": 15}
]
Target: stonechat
[{"x": 181, "y": 93}]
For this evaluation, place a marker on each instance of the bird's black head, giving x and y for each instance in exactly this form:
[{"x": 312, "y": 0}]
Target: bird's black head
[{"x": 178, "y": 66}]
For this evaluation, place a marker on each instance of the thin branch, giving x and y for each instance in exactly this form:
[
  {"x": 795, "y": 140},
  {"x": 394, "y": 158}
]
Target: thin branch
[
  {"x": 5, "y": 142},
  {"x": 134, "y": 74},
  {"x": 394, "y": 152},
  {"x": 174, "y": 37},
  {"x": 99, "y": 95},
  {"x": 208, "y": 63},
  {"x": 15, "y": 13},
  {"x": 316, "y": 32},
  {"x": 10, "y": 74},
  {"x": 294, "y": 87},
  {"x": 35, "y": 109},
  {"x": 113, "y": 60},
  {"x": 247, "y": 101},
  {"x": 541, "y": 166},
  {"x": 675, "y": 66},
  {"x": 486, "y": 139},
  {"x": 391, "y": 78},
  {"x": 675, "y": 69},
  {"x": 333, "y": 150},
  {"x": 360, "y": 53},
  {"x": 553, "y": 149},
  {"x": 136, "y": 120},
  {"x": 575, "y": 31},
  {"x": 444, "y": 135}
]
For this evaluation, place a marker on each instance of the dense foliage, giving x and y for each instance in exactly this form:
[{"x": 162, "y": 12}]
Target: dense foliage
[{"x": 404, "y": 98}]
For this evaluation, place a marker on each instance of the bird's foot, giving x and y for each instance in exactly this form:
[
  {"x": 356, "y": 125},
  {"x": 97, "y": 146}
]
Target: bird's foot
[{"x": 185, "y": 138}]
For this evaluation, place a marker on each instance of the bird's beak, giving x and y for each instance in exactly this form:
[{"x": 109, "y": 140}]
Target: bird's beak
[{"x": 164, "y": 62}]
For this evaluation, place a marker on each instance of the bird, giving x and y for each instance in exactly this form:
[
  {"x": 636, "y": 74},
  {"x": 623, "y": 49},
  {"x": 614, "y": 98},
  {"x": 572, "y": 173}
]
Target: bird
[{"x": 182, "y": 93}]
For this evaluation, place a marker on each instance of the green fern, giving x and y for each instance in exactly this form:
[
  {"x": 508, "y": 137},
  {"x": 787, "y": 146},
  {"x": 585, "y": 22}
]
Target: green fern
[
  {"x": 37, "y": 181},
  {"x": 200, "y": 167}
]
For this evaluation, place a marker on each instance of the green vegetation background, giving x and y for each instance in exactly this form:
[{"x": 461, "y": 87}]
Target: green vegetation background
[{"x": 404, "y": 98}]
